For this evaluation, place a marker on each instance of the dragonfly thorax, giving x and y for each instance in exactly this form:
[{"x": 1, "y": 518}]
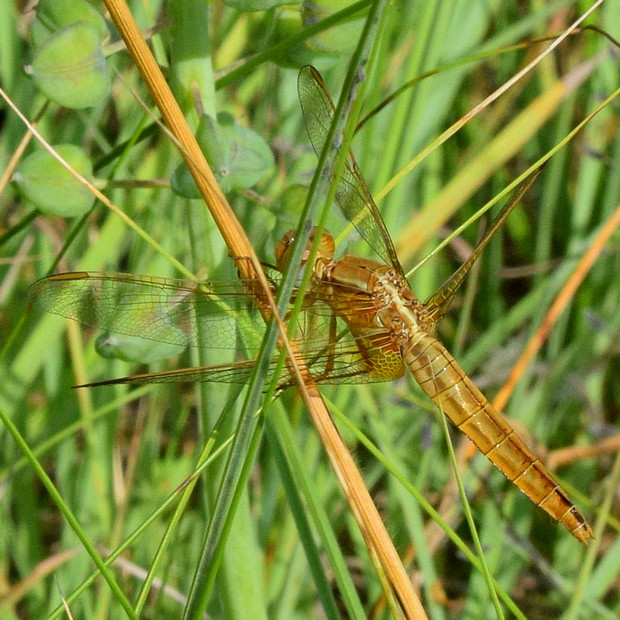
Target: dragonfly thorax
[
  {"x": 371, "y": 295},
  {"x": 398, "y": 309}
]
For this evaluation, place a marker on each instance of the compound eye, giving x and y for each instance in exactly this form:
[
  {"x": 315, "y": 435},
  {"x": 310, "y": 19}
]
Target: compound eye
[
  {"x": 327, "y": 246},
  {"x": 284, "y": 247}
]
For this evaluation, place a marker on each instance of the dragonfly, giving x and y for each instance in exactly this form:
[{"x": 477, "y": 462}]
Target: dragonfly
[{"x": 360, "y": 321}]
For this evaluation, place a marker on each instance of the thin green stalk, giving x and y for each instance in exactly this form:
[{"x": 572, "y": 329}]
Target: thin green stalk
[
  {"x": 175, "y": 496},
  {"x": 68, "y": 515}
]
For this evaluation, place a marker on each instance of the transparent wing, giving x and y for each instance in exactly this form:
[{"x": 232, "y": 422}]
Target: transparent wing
[
  {"x": 352, "y": 195},
  {"x": 343, "y": 362},
  {"x": 159, "y": 309},
  {"x": 170, "y": 311},
  {"x": 439, "y": 302},
  {"x": 183, "y": 312}
]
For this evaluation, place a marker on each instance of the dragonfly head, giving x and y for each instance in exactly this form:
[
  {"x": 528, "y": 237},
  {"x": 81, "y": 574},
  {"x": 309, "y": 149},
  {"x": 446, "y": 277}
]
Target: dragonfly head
[{"x": 284, "y": 248}]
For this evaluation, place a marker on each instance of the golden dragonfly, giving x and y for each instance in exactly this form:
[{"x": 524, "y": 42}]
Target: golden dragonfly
[{"x": 386, "y": 327}]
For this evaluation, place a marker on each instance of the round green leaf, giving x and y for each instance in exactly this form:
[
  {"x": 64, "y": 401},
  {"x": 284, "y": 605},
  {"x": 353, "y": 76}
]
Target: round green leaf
[
  {"x": 51, "y": 15},
  {"x": 341, "y": 39},
  {"x": 70, "y": 68},
  {"x": 237, "y": 155},
  {"x": 289, "y": 23},
  {"x": 134, "y": 349},
  {"x": 51, "y": 187},
  {"x": 182, "y": 183},
  {"x": 247, "y": 155}
]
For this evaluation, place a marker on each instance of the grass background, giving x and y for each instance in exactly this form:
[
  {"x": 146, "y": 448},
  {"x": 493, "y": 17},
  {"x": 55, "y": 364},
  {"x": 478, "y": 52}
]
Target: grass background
[{"x": 115, "y": 456}]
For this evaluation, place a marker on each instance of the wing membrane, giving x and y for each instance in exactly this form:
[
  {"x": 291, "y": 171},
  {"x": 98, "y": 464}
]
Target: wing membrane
[
  {"x": 168, "y": 310},
  {"x": 353, "y": 197},
  {"x": 160, "y": 309},
  {"x": 341, "y": 363}
]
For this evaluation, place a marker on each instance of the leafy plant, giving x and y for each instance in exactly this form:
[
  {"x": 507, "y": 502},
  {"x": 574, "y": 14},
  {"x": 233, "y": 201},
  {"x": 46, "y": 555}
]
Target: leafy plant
[{"x": 118, "y": 465}]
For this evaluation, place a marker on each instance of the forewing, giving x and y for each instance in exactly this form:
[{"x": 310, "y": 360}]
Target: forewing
[
  {"x": 178, "y": 312},
  {"x": 353, "y": 197},
  {"x": 184, "y": 312}
]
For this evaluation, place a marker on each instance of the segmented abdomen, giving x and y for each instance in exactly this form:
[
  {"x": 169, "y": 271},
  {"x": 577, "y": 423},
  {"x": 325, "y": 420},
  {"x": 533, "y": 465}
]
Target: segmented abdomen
[{"x": 455, "y": 394}]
